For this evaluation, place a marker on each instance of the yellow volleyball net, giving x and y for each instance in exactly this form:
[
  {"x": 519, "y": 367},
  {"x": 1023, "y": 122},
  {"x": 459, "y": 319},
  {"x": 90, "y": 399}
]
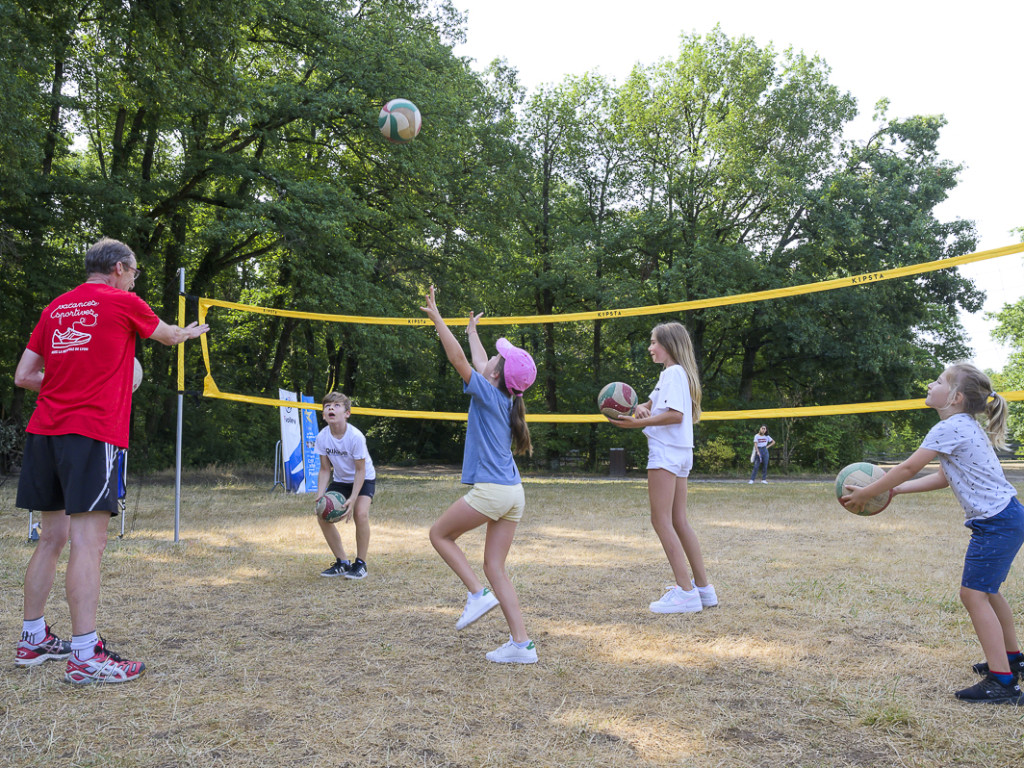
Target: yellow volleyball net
[{"x": 210, "y": 388}]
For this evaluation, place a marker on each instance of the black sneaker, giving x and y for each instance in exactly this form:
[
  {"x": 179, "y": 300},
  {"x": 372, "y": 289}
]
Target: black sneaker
[
  {"x": 991, "y": 691},
  {"x": 357, "y": 571},
  {"x": 1016, "y": 668},
  {"x": 340, "y": 568}
]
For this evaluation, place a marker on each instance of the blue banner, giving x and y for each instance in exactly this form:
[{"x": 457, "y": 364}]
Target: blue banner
[{"x": 309, "y": 433}]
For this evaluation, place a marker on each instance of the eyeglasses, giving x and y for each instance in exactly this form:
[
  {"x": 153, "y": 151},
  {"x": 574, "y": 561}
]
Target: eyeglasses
[{"x": 136, "y": 271}]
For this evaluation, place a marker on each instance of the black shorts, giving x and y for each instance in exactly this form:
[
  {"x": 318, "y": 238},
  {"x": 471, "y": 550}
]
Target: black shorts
[
  {"x": 69, "y": 472},
  {"x": 345, "y": 489}
]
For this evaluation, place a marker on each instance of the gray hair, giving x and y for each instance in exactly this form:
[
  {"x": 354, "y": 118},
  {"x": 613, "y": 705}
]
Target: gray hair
[{"x": 105, "y": 254}]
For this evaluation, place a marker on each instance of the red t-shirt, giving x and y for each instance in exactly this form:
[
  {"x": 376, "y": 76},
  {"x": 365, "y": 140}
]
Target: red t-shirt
[{"x": 86, "y": 338}]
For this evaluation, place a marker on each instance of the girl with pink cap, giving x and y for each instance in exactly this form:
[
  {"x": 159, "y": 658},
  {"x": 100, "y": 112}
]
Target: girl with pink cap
[{"x": 496, "y": 426}]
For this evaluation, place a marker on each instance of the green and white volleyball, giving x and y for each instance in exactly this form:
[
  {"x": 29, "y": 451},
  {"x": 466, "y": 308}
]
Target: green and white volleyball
[
  {"x": 399, "y": 121},
  {"x": 860, "y": 474},
  {"x": 617, "y": 399}
]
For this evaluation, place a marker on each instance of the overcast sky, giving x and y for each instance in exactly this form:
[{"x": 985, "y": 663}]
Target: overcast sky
[{"x": 960, "y": 61}]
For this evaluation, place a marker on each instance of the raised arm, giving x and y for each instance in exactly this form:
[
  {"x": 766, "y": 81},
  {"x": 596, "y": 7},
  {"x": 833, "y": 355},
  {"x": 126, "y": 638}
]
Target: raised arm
[
  {"x": 452, "y": 348},
  {"x": 476, "y": 347},
  {"x": 172, "y": 335}
]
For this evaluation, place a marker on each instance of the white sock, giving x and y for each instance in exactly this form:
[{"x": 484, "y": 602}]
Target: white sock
[
  {"x": 34, "y": 631},
  {"x": 84, "y": 646},
  {"x": 523, "y": 644},
  {"x": 477, "y": 595}
]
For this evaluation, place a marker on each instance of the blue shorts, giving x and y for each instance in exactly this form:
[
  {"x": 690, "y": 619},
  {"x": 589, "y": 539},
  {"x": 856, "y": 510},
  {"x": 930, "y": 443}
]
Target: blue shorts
[{"x": 994, "y": 543}]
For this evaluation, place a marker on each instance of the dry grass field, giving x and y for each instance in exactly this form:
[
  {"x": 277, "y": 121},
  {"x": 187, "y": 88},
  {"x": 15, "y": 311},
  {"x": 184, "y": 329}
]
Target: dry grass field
[{"x": 838, "y": 642}]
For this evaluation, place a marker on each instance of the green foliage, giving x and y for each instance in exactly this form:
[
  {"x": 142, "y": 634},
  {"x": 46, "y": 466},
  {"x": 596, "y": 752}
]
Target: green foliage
[
  {"x": 238, "y": 141},
  {"x": 714, "y": 456},
  {"x": 1010, "y": 331}
]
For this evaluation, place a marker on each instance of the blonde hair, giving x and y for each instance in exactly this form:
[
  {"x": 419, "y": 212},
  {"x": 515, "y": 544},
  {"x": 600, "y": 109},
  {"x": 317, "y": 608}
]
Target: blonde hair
[
  {"x": 676, "y": 341},
  {"x": 522, "y": 445},
  {"x": 338, "y": 397},
  {"x": 979, "y": 397}
]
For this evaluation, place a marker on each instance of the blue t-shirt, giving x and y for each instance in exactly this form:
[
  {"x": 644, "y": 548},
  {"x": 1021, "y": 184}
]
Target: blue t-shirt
[{"x": 488, "y": 455}]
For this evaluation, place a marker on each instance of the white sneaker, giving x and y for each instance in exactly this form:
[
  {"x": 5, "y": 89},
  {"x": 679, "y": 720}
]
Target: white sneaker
[
  {"x": 750, "y": 482},
  {"x": 708, "y": 598},
  {"x": 677, "y": 600},
  {"x": 765, "y": 482},
  {"x": 510, "y": 653},
  {"x": 476, "y": 607}
]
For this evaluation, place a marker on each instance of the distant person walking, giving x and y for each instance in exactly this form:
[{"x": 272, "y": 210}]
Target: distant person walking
[
  {"x": 80, "y": 359},
  {"x": 762, "y": 442}
]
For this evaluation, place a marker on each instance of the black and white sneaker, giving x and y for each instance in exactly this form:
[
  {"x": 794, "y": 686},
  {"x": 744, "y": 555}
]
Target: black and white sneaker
[
  {"x": 991, "y": 691},
  {"x": 357, "y": 570},
  {"x": 340, "y": 568}
]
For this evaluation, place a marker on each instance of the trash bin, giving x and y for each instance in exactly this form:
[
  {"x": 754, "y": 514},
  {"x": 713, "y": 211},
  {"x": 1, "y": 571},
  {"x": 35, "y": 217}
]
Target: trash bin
[{"x": 617, "y": 462}]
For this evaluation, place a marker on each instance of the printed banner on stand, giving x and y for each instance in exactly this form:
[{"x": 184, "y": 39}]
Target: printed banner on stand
[
  {"x": 309, "y": 433},
  {"x": 291, "y": 444}
]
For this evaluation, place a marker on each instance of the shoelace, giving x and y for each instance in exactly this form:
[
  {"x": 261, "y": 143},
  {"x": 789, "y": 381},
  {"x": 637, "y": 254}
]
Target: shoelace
[{"x": 107, "y": 652}]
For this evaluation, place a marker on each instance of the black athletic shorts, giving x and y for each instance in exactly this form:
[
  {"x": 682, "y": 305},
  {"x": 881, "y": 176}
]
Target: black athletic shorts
[
  {"x": 345, "y": 489},
  {"x": 69, "y": 472}
]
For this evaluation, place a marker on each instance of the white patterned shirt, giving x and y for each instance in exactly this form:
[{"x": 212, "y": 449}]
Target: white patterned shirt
[{"x": 971, "y": 466}]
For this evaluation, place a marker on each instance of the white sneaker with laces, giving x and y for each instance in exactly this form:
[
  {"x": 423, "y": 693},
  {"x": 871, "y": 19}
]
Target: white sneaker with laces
[
  {"x": 677, "y": 600},
  {"x": 708, "y": 598},
  {"x": 476, "y": 607},
  {"x": 510, "y": 653}
]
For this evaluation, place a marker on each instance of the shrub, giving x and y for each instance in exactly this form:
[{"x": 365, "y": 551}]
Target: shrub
[{"x": 714, "y": 457}]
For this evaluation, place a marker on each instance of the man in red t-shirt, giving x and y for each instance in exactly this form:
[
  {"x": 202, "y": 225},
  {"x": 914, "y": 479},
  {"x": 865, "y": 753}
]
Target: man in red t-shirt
[{"x": 80, "y": 359}]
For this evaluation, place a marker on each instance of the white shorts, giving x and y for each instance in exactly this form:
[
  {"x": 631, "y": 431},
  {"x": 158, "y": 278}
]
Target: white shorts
[
  {"x": 498, "y": 502},
  {"x": 678, "y": 461}
]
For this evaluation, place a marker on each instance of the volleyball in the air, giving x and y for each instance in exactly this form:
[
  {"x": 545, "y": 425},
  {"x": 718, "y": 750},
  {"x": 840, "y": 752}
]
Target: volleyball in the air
[
  {"x": 860, "y": 474},
  {"x": 399, "y": 121},
  {"x": 137, "y": 375},
  {"x": 329, "y": 507},
  {"x": 617, "y": 399}
]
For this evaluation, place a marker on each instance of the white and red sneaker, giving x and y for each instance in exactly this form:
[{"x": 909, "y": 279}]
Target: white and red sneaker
[
  {"x": 52, "y": 647},
  {"x": 105, "y": 667}
]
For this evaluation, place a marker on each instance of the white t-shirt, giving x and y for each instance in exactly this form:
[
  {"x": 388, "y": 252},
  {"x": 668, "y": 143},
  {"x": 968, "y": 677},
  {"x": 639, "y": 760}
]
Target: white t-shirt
[
  {"x": 672, "y": 394},
  {"x": 761, "y": 441},
  {"x": 971, "y": 466},
  {"x": 343, "y": 452}
]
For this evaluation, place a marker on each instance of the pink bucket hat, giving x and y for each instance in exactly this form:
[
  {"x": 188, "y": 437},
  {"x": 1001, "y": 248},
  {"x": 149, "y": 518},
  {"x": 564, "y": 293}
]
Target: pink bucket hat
[{"x": 520, "y": 370}]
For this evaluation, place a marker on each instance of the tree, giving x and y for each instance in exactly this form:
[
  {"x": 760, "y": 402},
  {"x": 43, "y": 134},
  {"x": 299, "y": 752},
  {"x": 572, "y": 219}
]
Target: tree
[
  {"x": 1010, "y": 331},
  {"x": 237, "y": 140}
]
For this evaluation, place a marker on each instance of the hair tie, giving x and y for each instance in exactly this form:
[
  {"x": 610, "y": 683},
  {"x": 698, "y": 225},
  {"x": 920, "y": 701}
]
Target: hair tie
[{"x": 992, "y": 394}]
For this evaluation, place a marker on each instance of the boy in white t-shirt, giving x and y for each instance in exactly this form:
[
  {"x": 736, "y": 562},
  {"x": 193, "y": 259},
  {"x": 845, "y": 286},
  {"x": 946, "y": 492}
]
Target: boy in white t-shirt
[{"x": 342, "y": 451}]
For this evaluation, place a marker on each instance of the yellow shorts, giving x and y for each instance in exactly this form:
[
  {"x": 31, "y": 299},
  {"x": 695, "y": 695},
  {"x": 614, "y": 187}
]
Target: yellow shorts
[{"x": 498, "y": 502}]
